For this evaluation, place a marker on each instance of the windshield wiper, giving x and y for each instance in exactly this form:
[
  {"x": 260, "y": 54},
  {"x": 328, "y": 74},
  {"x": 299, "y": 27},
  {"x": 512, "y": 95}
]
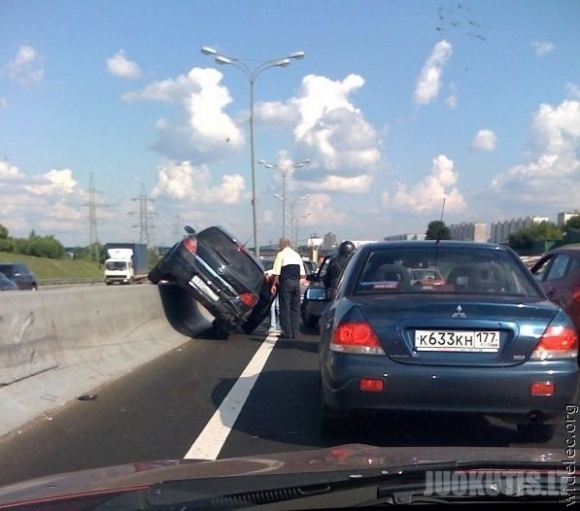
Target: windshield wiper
[{"x": 431, "y": 483}]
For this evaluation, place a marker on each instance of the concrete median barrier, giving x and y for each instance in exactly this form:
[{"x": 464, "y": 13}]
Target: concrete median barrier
[{"x": 58, "y": 344}]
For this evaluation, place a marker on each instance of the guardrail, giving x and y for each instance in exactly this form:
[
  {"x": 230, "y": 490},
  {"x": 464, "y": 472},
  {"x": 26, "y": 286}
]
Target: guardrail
[{"x": 70, "y": 281}]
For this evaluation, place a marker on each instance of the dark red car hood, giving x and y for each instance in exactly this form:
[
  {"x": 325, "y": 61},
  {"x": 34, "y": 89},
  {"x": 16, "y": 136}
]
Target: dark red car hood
[{"x": 353, "y": 457}]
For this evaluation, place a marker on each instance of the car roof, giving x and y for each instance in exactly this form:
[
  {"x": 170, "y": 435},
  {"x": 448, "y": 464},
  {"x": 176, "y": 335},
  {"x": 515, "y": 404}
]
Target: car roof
[
  {"x": 425, "y": 243},
  {"x": 565, "y": 248}
]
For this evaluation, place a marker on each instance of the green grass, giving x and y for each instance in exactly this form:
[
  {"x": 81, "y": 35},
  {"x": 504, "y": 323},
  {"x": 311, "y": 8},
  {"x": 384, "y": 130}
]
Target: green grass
[{"x": 55, "y": 268}]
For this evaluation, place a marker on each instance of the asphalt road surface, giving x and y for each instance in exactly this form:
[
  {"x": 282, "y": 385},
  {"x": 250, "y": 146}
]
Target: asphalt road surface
[{"x": 181, "y": 404}]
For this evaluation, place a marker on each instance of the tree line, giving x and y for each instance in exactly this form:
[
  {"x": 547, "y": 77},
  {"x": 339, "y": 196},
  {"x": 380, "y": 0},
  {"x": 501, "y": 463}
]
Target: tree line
[
  {"x": 523, "y": 239},
  {"x": 34, "y": 245}
]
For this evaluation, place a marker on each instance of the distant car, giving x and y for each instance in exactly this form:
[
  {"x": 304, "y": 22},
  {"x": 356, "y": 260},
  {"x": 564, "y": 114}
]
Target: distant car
[
  {"x": 214, "y": 268},
  {"x": 314, "y": 296},
  {"x": 427, "y": 277},
  {"x": 21, "y": 274},
  {"x": 487, "y": 342},
  {"x": 558, "y": 272},
  {"x": 6, "y": 284}
]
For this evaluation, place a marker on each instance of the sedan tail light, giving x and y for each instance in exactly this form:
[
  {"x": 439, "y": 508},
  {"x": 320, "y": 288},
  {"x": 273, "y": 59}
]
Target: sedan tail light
[
  {"x": 249, "y": 299},
  {"x": 356, "y": 337},
  {"x": 190, "y": 245},
  {"x": 557, "y": 342}
]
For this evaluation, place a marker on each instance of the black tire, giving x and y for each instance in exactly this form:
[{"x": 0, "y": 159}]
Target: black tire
[
  {"x": 155, "y": 275},
  {"x": 536, "y": 432},
  {"x": 332, "y": 423}
]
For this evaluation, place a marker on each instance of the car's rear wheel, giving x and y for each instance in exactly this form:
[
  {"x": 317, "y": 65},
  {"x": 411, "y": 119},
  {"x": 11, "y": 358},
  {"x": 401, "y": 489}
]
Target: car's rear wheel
[
  {"x": 332, "y": 423},
  {"x": 536, "y": 432}
]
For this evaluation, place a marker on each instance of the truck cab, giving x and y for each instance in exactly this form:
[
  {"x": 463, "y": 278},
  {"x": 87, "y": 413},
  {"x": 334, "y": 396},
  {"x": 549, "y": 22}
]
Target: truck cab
[{"x": 119, "y": 266}]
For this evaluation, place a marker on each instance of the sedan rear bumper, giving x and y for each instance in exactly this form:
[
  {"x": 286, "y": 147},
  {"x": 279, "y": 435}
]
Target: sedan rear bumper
[{"x": 497, "y": 391}]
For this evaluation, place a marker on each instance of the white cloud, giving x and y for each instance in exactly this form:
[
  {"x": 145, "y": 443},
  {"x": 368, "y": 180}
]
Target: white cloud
[
  {"x": 553, "y": 172},
  {"x": 355, "y": 184},
  {"x": 429, "y": 81},
  {"x": 119, "y": 65},
  {"x": 542, "y": 47},
  {"x": 3, "y": 103},
  {"x": 334, "y": 133},
  {"x": 49, "y": 203},
  {"x": 485, "y": 140},
  {"x": 9, "y": 172},
  {"x": 26, "y": 67},
  {"x": 203, "y": 128},
  {"x": 55, "y": 182},
  {"x": 187, "y": 182},
  {"x": 319, "y": 205},
  {"x": 451, "y": 100},
  {"x": 428, "y": 195}
]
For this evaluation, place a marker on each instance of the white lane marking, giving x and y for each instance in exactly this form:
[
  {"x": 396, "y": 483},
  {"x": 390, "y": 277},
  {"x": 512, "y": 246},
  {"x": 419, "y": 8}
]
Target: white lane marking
[{"x": 210, "y": 441}]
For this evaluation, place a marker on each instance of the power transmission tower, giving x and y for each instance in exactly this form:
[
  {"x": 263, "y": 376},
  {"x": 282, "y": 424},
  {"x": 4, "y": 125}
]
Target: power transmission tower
[
  {"x": 145, "y": 224},
  {"x": 93, "y": 205}
]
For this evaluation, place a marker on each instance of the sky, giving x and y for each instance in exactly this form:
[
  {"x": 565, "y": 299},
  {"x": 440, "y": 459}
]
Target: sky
[{"x": 398, "y": 107}]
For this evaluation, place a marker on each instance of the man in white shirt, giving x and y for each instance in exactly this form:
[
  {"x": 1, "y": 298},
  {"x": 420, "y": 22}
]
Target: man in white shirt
[{"x": 288, "y": 269}]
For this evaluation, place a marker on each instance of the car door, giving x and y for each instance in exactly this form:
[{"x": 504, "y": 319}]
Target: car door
[{"x": 558, "y": 276}]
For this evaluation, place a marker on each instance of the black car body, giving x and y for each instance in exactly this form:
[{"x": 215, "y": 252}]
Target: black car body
[
  {"x": 216, "y": 270},
  {"x": 21, "y": 274},
  {"x": 6, "y": 284},
  {"x": 488, "y": 342}
]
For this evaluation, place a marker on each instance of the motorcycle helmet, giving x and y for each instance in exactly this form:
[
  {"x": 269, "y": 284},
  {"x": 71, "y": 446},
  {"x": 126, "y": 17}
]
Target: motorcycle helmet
[{"x": 346, "y": 248}]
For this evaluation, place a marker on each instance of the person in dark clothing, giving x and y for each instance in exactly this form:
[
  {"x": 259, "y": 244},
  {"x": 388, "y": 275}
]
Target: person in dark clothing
[
  {"x": 287, "y": 271},
  {"x": 336, "y": 264}
]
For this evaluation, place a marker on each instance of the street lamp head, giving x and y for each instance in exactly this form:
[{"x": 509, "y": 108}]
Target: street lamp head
[
  {"x": 206, "y": 50},
  {"x": 282, "y": 63},
  {"x": 297, "y": 55},
  {"x": 220, "y": 59}
]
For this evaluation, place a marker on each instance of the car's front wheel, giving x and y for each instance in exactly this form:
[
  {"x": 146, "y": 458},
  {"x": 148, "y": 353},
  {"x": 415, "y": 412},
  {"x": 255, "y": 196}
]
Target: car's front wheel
[
  {"x": 309, "y": 320},
  {"x": 156, "y": 275}
]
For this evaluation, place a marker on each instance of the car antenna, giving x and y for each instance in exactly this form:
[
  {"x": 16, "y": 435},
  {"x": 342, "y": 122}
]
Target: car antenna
[
  {"x": 441, "y": 222},
  {"x": 438, "y": 239}
]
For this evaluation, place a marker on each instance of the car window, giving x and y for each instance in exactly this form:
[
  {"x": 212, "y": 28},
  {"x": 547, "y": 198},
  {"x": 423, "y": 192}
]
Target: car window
[
  {"x": 8, "y": 270},
  {"x": 234, "y": 255},
  {"x": 558, "y": 268},
  {"x": 463, "y": 272}
]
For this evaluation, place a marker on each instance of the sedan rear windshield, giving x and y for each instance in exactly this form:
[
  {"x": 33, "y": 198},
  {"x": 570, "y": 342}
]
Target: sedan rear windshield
[
  {"x": 234, "y": 255},
  {"x": 463, "y": 270}
]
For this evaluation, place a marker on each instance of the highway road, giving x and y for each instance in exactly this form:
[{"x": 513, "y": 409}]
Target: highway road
[{"x": 175, "y": 407}]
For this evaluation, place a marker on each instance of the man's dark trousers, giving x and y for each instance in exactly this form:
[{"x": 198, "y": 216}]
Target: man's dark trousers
[{"x": 289, "y": 297}]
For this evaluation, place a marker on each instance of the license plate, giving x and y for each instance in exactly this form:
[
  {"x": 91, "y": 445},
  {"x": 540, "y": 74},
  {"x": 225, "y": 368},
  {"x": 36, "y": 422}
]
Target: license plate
[
  {"x": 474, "y": 341},
  {"x": 203, "y": 287}
]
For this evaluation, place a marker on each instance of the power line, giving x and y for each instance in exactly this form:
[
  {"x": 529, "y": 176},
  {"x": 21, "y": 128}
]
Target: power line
[
  {"x": 145, "y": 224},
  {"x": 93, "y": 206}
]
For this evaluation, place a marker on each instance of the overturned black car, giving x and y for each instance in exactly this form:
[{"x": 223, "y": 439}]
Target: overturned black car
[{"x": 218, "y": 272}]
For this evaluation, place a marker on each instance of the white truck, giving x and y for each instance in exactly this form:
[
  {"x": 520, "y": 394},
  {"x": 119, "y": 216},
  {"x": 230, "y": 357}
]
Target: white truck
[{"x": 127, "y": 263}]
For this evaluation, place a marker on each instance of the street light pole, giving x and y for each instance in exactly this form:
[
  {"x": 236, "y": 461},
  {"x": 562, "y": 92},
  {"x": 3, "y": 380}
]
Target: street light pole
[
  {"x": 252, "y": 74},
  {"x": 292, "y": 204},
  {"x": 284, "y": 171},
  {"x": 296, "y": 229}
]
